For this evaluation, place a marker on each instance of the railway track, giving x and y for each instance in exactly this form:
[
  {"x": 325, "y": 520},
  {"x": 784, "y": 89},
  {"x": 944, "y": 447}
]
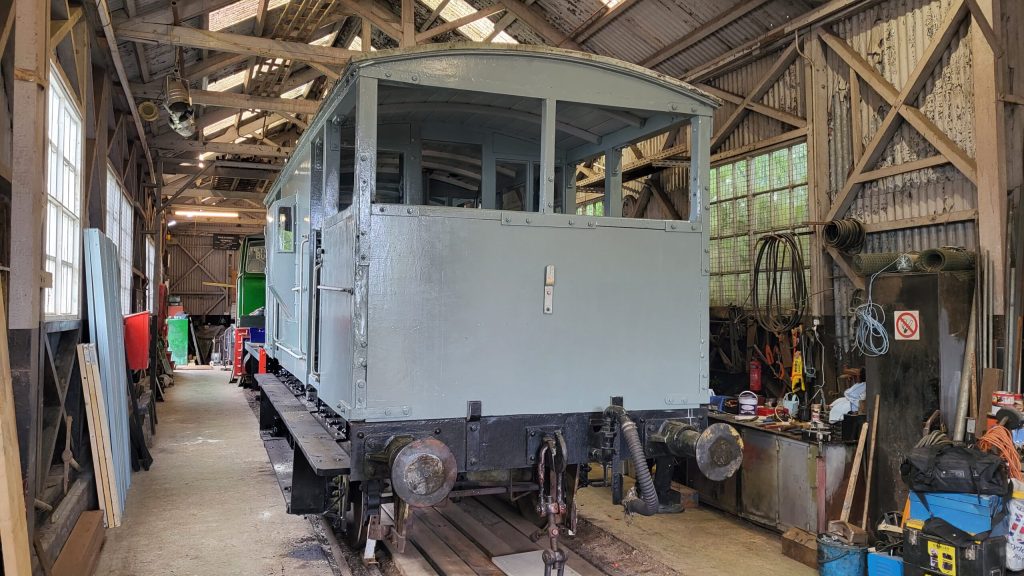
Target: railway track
[
  {"x": 466, "y": 538},
  {"x": 472, "y": 537}
]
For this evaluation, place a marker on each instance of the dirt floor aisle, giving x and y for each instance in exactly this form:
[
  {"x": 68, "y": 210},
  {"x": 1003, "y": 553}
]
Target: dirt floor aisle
[
  {"x": 699, "y": 542},
  {"x": 210, "y": 505}
]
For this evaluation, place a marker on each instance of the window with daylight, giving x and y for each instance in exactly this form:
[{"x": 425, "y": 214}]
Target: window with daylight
[
  {"x": 63, "y": 202},
  {"x": 120, "y": 216},
  {"x": 750, "y": 198}
]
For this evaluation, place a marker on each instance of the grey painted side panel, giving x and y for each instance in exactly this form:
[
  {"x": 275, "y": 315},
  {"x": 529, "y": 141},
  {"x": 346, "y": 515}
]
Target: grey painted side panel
[
  {"x": 456, "y": 314},
  {"x": 289, "y": 273},
  {"x": 336, "y": 388}
]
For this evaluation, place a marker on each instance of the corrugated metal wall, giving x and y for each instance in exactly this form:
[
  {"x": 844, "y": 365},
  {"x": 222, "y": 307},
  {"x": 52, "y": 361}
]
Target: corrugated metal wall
[
  {"x": 893, "y": 36},
  {"x": 186, "y": 277},
  {"x": 787, "y": 94}
]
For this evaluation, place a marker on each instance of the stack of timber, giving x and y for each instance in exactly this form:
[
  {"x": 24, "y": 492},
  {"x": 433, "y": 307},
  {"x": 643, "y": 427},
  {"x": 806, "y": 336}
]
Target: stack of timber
[{"x": 108, "y": 489}]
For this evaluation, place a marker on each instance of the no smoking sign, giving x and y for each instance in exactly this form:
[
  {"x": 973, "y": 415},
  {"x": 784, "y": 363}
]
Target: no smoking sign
[{"x": 907, "y": 324}]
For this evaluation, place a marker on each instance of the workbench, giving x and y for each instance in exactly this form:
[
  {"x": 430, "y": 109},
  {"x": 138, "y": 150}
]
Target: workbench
[{"x": 782, "y": 483}]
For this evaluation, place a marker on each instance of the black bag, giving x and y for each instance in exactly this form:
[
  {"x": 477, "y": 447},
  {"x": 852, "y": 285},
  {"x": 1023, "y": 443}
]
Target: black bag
[{"x": 952, "y": 468}]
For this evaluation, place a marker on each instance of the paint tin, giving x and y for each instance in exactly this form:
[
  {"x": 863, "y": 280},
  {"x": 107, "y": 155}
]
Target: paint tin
[{"x": 748, "y": 403}]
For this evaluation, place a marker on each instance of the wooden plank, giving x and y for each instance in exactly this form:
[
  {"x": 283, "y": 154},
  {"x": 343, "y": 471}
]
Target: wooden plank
[
  {"x": 13, "y": 519},
  {"x": 476, "y": 531},
  {"x": 466, "y": 550},
  {"x": 527, "y": 528},
  {"x": 95, "y": 396},
  {"x": 236, "y": 43},
  {"x": 497, "y": 526},
  {"x": 438, "y": 553},
  {"x": 702, "y": 31},
  {"x": 991, "y": 381},
  {"x": 88, "y": 372},
  {"x": 82, "y": 551}
]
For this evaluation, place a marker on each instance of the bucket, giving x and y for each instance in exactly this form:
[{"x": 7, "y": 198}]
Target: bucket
[
  {"x": 791, "y": 402},
  {"x": 838, "y": 559},
  {"x": 748, "y": 402}
]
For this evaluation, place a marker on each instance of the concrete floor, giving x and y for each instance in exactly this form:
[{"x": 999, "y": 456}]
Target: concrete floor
[
  {"x": 698, "y": 542},
  {"x": 210, "y": 504}
]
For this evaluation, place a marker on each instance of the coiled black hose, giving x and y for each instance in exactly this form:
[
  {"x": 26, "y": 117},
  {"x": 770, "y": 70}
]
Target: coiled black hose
[
  {"x": 846, "y": 235},
  {"x": 779, "y": 262},
  {"x": 647, "y": 504}
]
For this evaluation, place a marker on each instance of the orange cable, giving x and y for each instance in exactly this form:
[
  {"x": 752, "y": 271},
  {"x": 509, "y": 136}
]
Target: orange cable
[{"x": 999, "y": 440}]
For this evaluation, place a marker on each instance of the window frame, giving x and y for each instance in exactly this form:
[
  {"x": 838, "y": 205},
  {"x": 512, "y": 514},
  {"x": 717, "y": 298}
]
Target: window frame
[
  {"x": 63, "y": 251},
  {"x": 125, "y": 207},
  {"x": 751, "y": 228}
]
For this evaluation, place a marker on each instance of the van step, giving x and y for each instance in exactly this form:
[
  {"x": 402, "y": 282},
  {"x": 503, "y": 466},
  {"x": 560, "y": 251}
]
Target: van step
[{"x": 305, "y": 455}]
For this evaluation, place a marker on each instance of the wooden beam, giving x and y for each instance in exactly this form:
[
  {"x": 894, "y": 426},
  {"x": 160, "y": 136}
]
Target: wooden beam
[
  {"x": 366, "y": 12},
  {"x": 918, "y": 221},
  {"x": 59, "y": 29},
  {"x": 988, "y": 71},
  {"x": 408, "y": 23},
  {"x": 896, "y": 170},
  {"x": 770, "y": 42},
  {"x": 900, "y": 107},
  {"x": 780, "y": 115},
  {"x": 252, "y": 102},
  {"x": 535, "y": 19},
  {"x": 28, "y": 108},
  {"x": 13, "y": 519},
  {"x": 702, "y": 31},
  {"x": 236, "y": 43},
  {"x": 434, "y": 14},
  {"x": 841, "y": 260},
  {"x": 7, "y": 26},
  {"x": 161, "y": 12},
  {"x": 817, "y": 101},
  {"x": 108, "y": 32},
  {"x": 599, "y": 20},
  {"x": 856, "y": 120},
  {"x": 777, "y": 69},
  {"x": 459, "y": 22},
  {"x": 226, "y": 148}
]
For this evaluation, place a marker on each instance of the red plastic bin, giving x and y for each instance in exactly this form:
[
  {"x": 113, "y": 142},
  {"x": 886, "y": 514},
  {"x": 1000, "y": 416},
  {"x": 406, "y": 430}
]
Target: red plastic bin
[{"x": 136, "y": 340}]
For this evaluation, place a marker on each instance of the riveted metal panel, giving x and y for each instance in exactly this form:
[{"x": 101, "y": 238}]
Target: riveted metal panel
[{"x": 438, "y": 340}]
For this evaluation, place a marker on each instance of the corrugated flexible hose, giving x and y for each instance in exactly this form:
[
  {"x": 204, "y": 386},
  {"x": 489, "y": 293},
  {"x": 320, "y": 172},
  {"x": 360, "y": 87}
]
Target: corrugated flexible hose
[{"x": 647, "y": 504}]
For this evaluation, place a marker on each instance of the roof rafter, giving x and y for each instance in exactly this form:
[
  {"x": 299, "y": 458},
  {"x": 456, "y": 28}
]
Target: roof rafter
[{"x": 236, "y": 43}]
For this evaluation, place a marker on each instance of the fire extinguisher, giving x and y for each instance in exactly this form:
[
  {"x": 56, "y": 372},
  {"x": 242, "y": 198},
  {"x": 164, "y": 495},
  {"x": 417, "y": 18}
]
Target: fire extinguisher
[{"x": 755, "y": 375}]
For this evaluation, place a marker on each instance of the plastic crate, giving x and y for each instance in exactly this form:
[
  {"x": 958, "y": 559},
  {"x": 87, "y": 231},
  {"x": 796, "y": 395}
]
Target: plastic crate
[
  {"x": 880, "y": 564},
  {"x": 972, "y": 513}
]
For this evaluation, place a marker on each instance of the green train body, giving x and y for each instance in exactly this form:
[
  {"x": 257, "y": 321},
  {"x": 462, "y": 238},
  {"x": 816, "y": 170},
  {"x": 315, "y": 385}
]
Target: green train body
[{"x": 251, "y": 283}]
